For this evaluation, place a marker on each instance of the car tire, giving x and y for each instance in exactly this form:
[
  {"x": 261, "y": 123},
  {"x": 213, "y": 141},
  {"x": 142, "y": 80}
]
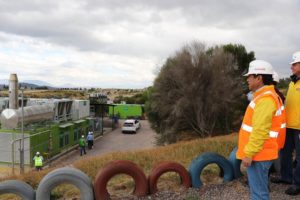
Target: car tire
[
  {"x": 199, "y": 163},
  {"x": 236, "y": 164},
  {"x": 165, "y": 167},
  {"x": 65, "y": 175},
  {"x": 120, "y": 167},
  {"x": 19, "y": 188}
]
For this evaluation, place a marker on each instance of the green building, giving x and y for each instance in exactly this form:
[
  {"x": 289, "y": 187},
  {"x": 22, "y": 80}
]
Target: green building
[{"x": 124, "y": 111}]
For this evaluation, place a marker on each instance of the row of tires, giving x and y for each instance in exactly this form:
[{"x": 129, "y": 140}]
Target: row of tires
[{"x": 230, "y": 169}]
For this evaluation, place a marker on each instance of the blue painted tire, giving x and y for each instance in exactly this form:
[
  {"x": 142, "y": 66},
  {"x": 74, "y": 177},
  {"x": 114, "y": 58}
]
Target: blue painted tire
[
  {"x": 236, "y": 164},
  {"x": 199, "y": 163},
  {"x": 19, "y": 188}
]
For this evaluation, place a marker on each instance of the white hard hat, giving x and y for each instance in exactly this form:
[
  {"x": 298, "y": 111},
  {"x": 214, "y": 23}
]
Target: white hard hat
[
  {"x": 37, "y": 153},
  {"x": 275, "y": 77},
  {"x": 82, "y": 136},
  {"x": 260, "y": 67},
  {"x": 296, "y": 58}
]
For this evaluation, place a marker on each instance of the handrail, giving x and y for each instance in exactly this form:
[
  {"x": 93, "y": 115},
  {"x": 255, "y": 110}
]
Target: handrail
[{"x": 13, "y": 149}]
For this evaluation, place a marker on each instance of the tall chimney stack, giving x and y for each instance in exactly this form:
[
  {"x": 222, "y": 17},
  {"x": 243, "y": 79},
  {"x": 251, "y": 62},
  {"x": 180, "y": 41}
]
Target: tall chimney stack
[{"x": 13, "y": 91}]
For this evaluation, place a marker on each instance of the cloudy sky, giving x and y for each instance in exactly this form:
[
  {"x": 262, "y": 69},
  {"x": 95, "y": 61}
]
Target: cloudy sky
[{"x": 122, "y": 43}]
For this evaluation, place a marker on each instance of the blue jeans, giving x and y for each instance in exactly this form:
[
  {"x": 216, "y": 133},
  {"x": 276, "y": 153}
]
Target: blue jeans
[
  {"x": 292, "y": 141},
  {"x": 258, "y": 179},
  {"x": 82, "y": 150}
]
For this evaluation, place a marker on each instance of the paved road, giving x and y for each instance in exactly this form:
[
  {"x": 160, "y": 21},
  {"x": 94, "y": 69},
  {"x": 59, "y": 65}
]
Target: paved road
[{"x": 115, "y": 141}]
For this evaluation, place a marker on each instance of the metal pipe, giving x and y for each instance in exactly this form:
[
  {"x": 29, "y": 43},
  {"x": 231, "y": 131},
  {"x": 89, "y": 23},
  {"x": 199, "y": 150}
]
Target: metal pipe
[
  {"x": 13, "y": 156},
  {"x": 22, "y": 131},
  {"x": 13, "y": 91}
]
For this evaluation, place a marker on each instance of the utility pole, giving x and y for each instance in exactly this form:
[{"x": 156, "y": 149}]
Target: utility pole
[{"x": 22, "y": 131}]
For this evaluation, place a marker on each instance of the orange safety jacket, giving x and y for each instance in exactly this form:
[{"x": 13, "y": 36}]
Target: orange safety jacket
[{"x": 270, "y": 146}]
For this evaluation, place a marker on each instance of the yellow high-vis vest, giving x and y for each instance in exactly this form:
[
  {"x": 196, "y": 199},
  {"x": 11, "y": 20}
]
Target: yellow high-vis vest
[
  {"x": 292, "y": 106},
  {"x": 38, "y": 161}
]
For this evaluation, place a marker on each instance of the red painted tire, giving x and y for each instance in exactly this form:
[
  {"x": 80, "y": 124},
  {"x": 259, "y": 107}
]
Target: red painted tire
[
  {"x": 164, "y": 167},
  {"x": 120, "y": 167}
]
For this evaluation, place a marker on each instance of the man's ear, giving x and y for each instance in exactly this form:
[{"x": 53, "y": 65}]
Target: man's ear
[{"x": 259, "y": 77}]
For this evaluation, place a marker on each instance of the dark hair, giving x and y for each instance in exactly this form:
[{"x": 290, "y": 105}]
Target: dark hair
[{"x": 266, "y": 78}]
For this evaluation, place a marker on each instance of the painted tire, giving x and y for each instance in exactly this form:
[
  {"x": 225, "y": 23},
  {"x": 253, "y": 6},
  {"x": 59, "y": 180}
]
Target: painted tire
[
  {"x": 236, "y": 164},
  {"x": 276, "y": 166},
  {"x": 19, "y": 188},
  {"x": 199, "y": 163},
  {"x": 120, "y": 167},
  {"x": 164, "y": 167},
  {"x": 65, "y": 175}
]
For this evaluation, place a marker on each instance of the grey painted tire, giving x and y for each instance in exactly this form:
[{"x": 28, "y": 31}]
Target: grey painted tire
[
  {"x": 65, "y": 175},
  {"x": 19, "y": 188}
]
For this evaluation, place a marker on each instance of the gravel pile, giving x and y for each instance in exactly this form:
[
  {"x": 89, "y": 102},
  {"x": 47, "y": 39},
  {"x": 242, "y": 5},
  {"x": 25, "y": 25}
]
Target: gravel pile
[{"x": 236, "y": 189}]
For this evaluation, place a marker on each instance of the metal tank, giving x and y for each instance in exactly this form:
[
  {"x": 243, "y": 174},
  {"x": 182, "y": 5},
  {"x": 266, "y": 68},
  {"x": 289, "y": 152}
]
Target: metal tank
[
  {"x": 11, "y": 118},
  {"x": 13, "y": 91}
]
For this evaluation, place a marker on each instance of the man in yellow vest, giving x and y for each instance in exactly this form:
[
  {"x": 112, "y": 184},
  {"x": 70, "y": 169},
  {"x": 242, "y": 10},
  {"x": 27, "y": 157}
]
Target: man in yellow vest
[
  {"x": 38, "y": 161},
  {"x": 257, "y": 146},
  {"x": 288, "y": 175}
]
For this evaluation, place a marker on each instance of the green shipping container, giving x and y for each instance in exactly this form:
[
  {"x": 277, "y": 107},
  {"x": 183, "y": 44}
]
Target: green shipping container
[{"x": 124, "y": 111}]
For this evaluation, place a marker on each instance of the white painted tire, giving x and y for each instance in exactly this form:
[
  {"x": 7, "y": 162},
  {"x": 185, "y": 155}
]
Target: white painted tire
[
  {"x": 19, "y": 188},
  {"x": 65, "y": 175}
]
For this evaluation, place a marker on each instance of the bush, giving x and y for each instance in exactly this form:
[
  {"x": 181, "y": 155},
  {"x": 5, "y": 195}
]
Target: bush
[{"x": 197, "y": 90}]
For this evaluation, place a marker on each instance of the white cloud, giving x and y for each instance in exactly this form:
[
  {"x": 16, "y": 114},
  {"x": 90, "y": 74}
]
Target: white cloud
[{"x": 121, "y": 43}]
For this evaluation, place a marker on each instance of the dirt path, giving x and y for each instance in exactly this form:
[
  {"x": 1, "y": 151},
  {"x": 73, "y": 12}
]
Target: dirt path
[{"x": 114, "y": 141}]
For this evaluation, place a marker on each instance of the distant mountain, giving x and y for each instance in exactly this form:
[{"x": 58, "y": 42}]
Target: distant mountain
[
  {"x": 28, "y": 84},
  {"x": 37, "y": 82},
  {"x": 3, "y": 81},
  {"x": 34, "y": 82}
]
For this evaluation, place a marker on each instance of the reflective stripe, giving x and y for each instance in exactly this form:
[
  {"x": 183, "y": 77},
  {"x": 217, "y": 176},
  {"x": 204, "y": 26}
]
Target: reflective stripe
[
  {"x": 247, "y": 128},
  {"x": 283, "y": 125},
  {"x": 278, "y": 112},
  {"x": 273, "y": 134},
  {"x": 252, "y": 104},
  {"x": 282, "y": 107}
]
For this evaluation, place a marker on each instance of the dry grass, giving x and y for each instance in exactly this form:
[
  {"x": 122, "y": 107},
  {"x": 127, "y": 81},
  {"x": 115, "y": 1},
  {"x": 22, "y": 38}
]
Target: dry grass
[{"x": 182, "y": 152}]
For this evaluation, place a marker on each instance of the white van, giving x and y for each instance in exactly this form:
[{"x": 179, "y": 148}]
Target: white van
[{"x": 131, "y": 125}]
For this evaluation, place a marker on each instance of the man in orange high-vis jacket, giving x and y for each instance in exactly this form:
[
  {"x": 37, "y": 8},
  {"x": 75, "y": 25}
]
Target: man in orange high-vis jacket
[
  {"x": 292, "y": 141},
  {"x": 258, "y": 145}
]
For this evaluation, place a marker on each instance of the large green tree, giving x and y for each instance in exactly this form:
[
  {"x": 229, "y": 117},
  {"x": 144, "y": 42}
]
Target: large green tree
[{"x": 197, "y": 90}]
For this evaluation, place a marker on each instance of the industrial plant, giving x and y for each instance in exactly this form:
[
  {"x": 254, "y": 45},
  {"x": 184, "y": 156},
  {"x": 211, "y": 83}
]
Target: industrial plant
[{"x": 49, "y": 126}]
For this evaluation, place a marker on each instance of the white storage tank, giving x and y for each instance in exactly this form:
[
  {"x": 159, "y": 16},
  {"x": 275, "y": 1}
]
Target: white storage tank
[{"x": 11, "y": 118}]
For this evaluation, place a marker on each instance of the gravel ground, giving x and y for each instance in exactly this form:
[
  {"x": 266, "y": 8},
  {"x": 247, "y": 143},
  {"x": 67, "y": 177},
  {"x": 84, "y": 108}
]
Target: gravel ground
[{"x": 236, "y": 189}]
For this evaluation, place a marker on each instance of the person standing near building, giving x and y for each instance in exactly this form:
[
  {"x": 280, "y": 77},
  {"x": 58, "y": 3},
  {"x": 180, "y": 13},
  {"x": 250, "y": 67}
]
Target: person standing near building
[
  {"x": 38, "y": 161},
  {"x": 82, "y": 145},
  {"x": 257, "y": 145},
  {"x": 90, "y": 140},
  {"x": 288, "y": 175}
]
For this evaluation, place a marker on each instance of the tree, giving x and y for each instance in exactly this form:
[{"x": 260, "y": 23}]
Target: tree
[{"x": 195, "y": 90}]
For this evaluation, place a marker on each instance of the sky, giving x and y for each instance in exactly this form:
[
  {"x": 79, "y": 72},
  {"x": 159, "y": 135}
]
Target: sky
[{"x": 122, "y": 44}]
